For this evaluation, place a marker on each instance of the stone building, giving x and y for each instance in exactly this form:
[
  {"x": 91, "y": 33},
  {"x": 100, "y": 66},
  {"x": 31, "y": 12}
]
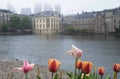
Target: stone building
[
  {"x": 85, "y": 21},
  {"x": 106, "y": 21},
  {"x": 4, "y": 16},
  {"x": 46, "y": 24},
  {"x": 109, "y": 20},
  {"x": 116, "y": 19},
  {"x": 100, "y": 26}
]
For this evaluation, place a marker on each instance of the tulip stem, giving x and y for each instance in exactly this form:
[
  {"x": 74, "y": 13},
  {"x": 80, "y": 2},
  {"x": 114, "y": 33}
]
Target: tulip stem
[
  {"x": 115, "y": 75},
  {"x": 80, "y": 73},
  {"x": 75, "y": 68},
  {"x": 52, "y": 75},
  {"x": 26, "y": 76},
  {"x": 101, "y": 76},
  {"x": 84, "y": 76}
]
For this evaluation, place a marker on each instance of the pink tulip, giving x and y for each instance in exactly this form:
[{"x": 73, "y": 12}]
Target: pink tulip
[
  {"x": 26, "y": 67},
  {"x": 76, "y": 52}
]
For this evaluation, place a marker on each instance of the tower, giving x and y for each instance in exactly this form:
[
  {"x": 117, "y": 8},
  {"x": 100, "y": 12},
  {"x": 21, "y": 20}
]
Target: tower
[
  {"x": 37, "y": 8},
  {"x": 58, "y": 8},
  {"x": 47, "y": 7}
]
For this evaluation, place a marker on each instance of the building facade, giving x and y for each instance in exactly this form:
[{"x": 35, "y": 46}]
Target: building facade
[
  {"x": 116, "y": 19},
  {"x": 100, "y": 26},
  {"x": 46, "y": 24},
  {"x": 4, "y": 17},
  {"x": 84, "y": 22},
  {"x": 106, "y": 21}
]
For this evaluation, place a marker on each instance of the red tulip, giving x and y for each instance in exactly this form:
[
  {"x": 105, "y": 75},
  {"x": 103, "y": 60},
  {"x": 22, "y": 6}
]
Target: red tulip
[
  {"x": 116, "y": 67},
  {"x": 26, "y": 67},
  {"x": 53, "y": 65},
  {"x": 79, "y": 64},
  {"x": 76, "y": 52},
  {"x": 101, "y": 70},
  {"x": 86, "y": 67}
]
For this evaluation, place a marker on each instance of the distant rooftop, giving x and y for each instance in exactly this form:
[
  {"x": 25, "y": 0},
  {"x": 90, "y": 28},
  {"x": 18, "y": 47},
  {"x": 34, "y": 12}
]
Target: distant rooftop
[
  {"x": 4, "y": 10},
  {"x": 48, "y": 13}
]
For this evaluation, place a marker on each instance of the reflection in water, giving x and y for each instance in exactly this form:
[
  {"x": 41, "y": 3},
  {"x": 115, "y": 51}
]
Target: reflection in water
[
  {"x": 101, "y": 50},
  {"x": 48, "y": 36}
]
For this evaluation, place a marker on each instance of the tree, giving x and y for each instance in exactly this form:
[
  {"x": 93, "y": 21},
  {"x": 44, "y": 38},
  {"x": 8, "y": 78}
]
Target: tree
[
  {"x": 14, "y": 23},
  {"x": 4, "y": 27},
  {"x": 26, "y": 23},
  {"x": 71, "y": 29}
]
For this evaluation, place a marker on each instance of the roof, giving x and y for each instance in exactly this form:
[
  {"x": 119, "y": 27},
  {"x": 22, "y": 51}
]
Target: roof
[
  {"x": 48, "y": 13},
  {"x": 7, "y": 11}
]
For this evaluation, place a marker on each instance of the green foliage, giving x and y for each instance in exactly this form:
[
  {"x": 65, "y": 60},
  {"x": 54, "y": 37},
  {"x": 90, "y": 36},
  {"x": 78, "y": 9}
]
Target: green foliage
[
  {"x": 71, "y": 29},
  {"x": 18, "y": 23},
  {"x": 14, "y": 22},
  {"x": 117, "y": 30},
  {"x": 38, "y": 77},
  {"x": 70, "y": 75},
  {"x": 84, "y": 76},
  {"x": 26, "y": 23},
  {"x": 107, "y": 77},
  {"x": 4, "y": 27},
  {"x": 83, "y": 30},
  {"x": 56, "y": 76},
  {"x": 73, "y": 76}
]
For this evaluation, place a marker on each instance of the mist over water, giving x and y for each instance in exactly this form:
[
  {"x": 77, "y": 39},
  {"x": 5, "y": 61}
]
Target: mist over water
[{"x": 99, "y": 49}]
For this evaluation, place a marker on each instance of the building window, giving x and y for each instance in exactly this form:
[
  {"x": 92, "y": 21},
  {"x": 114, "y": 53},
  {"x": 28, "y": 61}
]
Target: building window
[
  {"x": 43, "y": 20},
  {"x": 1, "y": 15},
  {"x": 37, "y": 26},
  {"x": 43, "y": 25},
  {"x": 51, "y": 25},
  {"x": 37, "y": 20},
  {"x": 40, "y": 20},
  {"x": 34, "y": 21},
  {"x": 51, "y": 20},
  {"x": 40, "y": 25},
  {"x": 114, "y": 26},
  {"x": 114, "y": 20},
  {"x": 54, "y": 25},
  {"x": 97, "y": 27}
]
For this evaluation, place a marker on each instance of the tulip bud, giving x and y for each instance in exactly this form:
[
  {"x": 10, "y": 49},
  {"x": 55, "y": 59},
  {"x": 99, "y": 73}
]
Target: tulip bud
[
  {"x": 79, "y": 64},
  {"x": 53, "y": 65},
  {"x": 116, "y": 67},
  {"x": 86, "y": 67},
  {"x": 101, "y": 70}
]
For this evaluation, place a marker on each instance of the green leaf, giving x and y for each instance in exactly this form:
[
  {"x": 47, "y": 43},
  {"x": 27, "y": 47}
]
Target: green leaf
[
  {"x": 92, "y": 76},
  {"x": 79, "y": 76},
  {"x": 107, "y": 77},
  {"x": 70, "y": 75},
  {"x": 56, "y": 76},
  {"x": 39, "y": 77}
]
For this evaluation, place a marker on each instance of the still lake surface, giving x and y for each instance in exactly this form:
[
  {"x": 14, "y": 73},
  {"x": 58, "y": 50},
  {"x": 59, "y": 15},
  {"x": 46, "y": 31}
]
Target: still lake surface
[{"x": 99, "y": 49}]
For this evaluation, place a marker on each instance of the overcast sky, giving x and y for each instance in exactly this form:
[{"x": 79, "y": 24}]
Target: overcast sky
[{"x": 67, "y": 6}]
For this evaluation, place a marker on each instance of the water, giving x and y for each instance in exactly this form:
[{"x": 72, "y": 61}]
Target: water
[{"x": 99, "y": 49}]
